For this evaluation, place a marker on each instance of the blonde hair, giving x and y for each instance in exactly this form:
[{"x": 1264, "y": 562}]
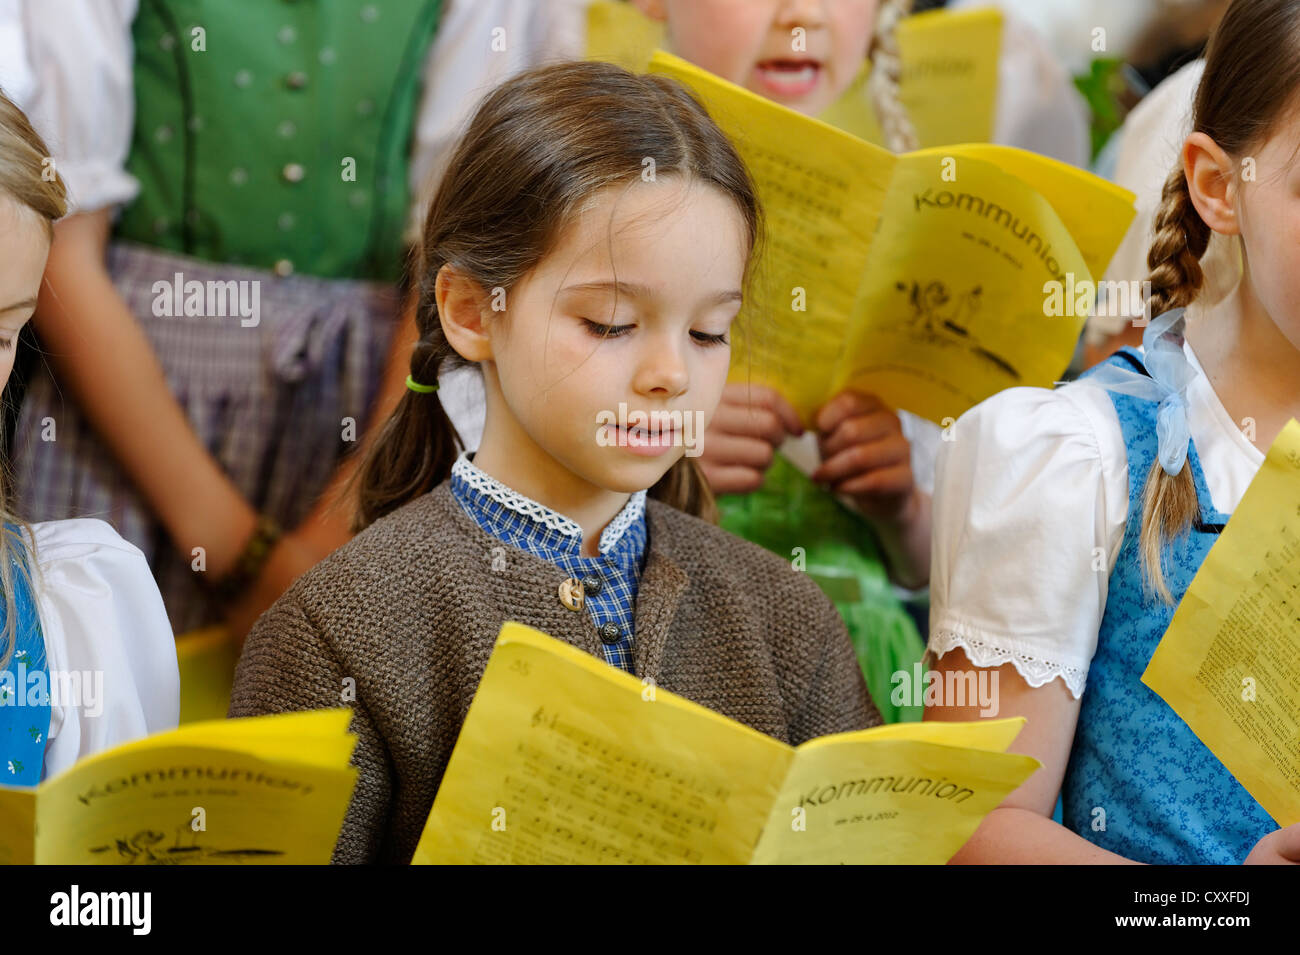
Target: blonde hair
[
  {"x": 27, "y": 177},
  {"x": 1252, "y": 73},
  {"x": 886, "y": 75}
]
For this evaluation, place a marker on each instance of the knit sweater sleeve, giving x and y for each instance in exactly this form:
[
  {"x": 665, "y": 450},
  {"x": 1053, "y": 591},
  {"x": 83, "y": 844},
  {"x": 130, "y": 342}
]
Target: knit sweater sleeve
[
  {"x": 837, "y": 700},
  {"x": 288, "y": 665}
]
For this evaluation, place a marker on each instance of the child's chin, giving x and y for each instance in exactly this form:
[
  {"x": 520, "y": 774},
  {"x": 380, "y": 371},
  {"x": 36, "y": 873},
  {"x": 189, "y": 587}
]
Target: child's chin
[{"x": 630, "y": 473}]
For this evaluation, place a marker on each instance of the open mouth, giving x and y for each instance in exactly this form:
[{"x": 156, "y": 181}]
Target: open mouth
[{"x": 786, "y": 78}]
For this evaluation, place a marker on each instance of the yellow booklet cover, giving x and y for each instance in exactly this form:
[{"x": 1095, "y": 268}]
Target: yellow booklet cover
[
  {"x": 565, "y": 759},
  {"x": 1229, "y": 664},
  {"x": 933, "y": 279},
  {"x": 206, "y": 659},
  {"x": 267, "y": 789},
  {"x": 949, "y": 79}
]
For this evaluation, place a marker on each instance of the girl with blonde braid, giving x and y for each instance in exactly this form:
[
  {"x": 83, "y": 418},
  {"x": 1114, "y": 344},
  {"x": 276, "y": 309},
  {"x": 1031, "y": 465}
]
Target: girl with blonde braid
[
  {"x": 1069, "y": 523},
  {"x": 861, "y": 452}
]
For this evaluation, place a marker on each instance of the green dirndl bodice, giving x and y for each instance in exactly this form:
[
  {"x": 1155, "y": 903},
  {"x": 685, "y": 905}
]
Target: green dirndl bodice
[{"x": 277, "y": 134}]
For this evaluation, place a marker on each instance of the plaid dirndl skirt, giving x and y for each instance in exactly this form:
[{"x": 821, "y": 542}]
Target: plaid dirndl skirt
[{"x": 268, "y": 401}]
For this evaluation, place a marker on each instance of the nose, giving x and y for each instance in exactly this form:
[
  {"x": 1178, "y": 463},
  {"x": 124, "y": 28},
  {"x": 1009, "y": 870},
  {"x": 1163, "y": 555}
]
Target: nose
[
  {"x": 661, "y": 370},
  {"x": 801, "y": 13}
]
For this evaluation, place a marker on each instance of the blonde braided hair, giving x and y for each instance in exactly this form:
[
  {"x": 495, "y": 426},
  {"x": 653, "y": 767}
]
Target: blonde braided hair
[
  {"x": 1180, "y": 238},
  {"x": 886, "y": 74}
]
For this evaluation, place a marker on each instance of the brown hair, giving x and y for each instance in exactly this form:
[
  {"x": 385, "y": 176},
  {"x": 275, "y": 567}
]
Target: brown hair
[
  {"x": 538, "y": 148},
  {"x": 27, "y": 178},
  {"x": 883, "y": 82},
  {"x": 1252, "y": 75}
]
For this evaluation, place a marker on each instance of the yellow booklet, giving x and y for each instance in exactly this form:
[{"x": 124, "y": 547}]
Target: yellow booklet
[
  {"x": 949, "y": 78},
  {"x": 268, "y": 790},
  {"x": 565, "y": 759},
  {"x": 207, "y": 659},
  {"x": 1229, "y": 664},
  {"x": 933, "y": 279}
]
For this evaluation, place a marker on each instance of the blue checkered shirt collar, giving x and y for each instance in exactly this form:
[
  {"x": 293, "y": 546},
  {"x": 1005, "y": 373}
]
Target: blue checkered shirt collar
[
  {"x": 610, "y": 580},
  {"x": 510, "y": 516}
]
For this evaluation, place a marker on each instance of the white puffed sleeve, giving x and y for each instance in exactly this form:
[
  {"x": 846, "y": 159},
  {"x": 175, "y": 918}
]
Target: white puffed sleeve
[
  {"x": 479, "y": 44},
  {"x": 107, "y": 632},
  {"x": 81, "y": 98},
  {"x": 1030, "y": 503},
  {"x": 16, "y": 78}
]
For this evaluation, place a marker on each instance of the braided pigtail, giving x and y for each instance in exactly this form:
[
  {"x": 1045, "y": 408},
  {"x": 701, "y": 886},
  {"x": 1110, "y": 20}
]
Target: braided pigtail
[
  {"x": 886, "y": 74},
  {"x": 1169, "y": 503}
]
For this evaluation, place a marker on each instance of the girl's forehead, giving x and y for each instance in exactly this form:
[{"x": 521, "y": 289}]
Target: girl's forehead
[
  {"x": 630, "y": 213},
  {"x": 647, "y": 235}
]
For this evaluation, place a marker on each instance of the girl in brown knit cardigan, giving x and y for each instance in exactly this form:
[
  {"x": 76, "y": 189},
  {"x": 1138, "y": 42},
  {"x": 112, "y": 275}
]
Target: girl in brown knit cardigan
[{"x": 587, "y": 250}]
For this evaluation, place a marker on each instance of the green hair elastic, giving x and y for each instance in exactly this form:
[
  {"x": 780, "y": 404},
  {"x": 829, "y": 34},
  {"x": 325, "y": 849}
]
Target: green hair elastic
[{"x": 422, "y": 389}]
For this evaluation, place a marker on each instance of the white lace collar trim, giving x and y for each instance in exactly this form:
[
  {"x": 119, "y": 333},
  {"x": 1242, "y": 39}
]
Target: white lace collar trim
[{"x": 487, "y": 485}]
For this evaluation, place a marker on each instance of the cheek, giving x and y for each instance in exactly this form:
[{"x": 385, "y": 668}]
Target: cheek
[
  {"x": 1271, "y": 233},
  {"x": 550, "y": 364},
  {"x": 851, "y": 24},
  {"x": 709, "y": 377},
  {"x": 722, "y": 38}
]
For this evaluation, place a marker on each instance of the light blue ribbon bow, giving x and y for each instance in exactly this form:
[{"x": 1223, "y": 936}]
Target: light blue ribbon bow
[{"x": 1171, "y": 373}]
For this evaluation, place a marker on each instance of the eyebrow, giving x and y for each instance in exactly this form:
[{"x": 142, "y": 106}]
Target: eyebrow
[
  {"x": 25, "y": 303},
  {"x": 637, "y": 290}
]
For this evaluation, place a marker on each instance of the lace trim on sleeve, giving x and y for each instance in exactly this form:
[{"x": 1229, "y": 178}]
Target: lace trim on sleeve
[{"x": 983, "y": 652}]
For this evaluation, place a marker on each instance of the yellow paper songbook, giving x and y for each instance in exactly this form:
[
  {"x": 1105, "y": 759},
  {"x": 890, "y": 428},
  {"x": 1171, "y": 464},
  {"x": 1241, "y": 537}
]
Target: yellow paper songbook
[
  {"x": 267, "y": 789},
  {"x": 949, "y": 81},
  {"x": 564, "y": 758},
  {"x": 1229, "y": 664},
  {"x": 933, "y": 279}
]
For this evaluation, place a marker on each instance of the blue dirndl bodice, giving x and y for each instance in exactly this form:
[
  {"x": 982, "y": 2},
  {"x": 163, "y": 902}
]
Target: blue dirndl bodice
[
  {"x": 24, "y": 692},
  {"x": 1166, "y": 797}
]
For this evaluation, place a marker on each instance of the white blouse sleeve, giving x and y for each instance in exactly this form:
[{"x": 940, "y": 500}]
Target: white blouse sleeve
[
  {"x": 81, "y": 95},
  {"x": 479, "y": 44},
  {"x": 107, "y": 633},
  {"x": 16, "y": 79},
  {"x": 1030, "y": 503}
]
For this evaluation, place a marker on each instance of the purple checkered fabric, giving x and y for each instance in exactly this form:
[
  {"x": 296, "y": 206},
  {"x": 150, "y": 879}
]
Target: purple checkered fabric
[{"x": 268, "y": 401}]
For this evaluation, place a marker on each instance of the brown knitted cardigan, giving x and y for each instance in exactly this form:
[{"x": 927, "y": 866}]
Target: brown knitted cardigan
[{"x": 410, "y": 608}]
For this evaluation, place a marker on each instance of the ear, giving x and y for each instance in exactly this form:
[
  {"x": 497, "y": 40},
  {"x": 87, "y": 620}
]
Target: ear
[
  {"x": 462, "y": 308},
  {"x": 654, "y": 9},
  {"x": 1212, "y": 183}
]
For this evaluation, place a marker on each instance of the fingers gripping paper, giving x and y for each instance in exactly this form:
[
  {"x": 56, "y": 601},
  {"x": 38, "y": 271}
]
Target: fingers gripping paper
[
  {"x": 1229, "y": 664},
  {"x": 565, "y": 759}
]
